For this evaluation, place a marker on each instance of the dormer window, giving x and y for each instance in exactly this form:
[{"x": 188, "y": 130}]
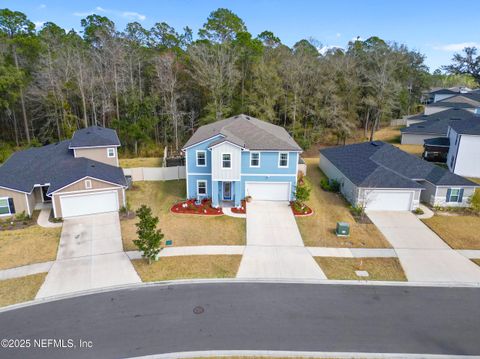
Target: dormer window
[
  {"x": 226, "y": 160},
  {"x": 110, "y": 152},
  {"x": 88, "y": 184},
  {"x": 201, "y": 158}
]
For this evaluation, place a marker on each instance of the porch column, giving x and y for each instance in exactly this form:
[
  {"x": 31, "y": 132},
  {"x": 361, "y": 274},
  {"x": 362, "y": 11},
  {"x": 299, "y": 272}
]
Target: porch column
[
  {"x": 215, "y": 201},
  {"x": 238, "y": 193}
]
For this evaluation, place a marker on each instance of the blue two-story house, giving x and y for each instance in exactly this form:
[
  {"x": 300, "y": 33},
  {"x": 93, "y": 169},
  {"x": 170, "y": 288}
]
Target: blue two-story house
[{"x": 238, "y": 157}]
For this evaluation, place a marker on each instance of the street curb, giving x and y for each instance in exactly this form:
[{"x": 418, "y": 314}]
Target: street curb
[
  {"x": 135, "y": 286},
  {"x": 298, "y": 354}
]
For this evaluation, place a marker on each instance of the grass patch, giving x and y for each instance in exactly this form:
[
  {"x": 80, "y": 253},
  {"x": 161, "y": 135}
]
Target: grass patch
[
  {"x": 459, "y": 232},
  {"x": 476, "y": 180},
  {"x": 29, "y": 245},
  {"x": 183, "y": 229},
  {"x": 330, "y": 208},
  {"x": 388, "y": 269},
  {"x": 20, "y": 289},
  {"x": 188, "y": 267},
  {"x": 416, "y": 150},
  {"x": 140, "y": 162},
  {"x": 476, "y": 261},
  {"x": 390, "y": 134}
]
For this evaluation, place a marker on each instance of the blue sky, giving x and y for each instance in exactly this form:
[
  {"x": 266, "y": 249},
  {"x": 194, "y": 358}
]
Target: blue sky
[{"x": 436, "y": 28}]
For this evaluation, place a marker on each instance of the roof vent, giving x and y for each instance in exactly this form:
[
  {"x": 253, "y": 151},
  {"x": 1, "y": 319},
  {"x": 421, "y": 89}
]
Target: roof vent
[
  {"x": 92, "y": 165},
  {"x": 376, "y": 143}
]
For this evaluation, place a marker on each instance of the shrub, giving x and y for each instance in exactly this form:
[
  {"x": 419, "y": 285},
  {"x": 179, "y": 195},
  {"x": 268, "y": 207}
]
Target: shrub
[
  {"x": 475, "y": 201},
  {"x": 357, "y": 211},
  {"x": 418, "y": 210},
  {"x": 334, "y": 186},
  {"x": 22, "y": 217},
  {"x": 149, "y": 237},
  {"x": 325, "y": 185},
  {"x": 302, "y": 193}
]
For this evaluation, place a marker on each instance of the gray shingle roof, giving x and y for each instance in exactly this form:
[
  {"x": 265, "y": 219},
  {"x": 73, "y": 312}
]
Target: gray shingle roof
[
  {"x": 247, "y": 132},
  {"x": 94, "y": 136},
  {"x": 382, "y": 165},
  {"x": 438, "y": 123},
  {"x": 53, "y": 164},
  {"x": 467, "y": 127},
  {"x": 462, "y": 100}
]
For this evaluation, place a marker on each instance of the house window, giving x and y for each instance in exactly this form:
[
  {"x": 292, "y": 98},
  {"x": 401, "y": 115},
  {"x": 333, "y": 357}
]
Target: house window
[
  {"x": 201, "y": 158},
  {"x": 110, "y": 152},
  {"x": 88, "y": 184},
  {"x": 283, "y": 159},
  {"x": 201, "y": 188},
  {"x": 254, "y": 159},
  {"x": 4, "y": 207},
  {"x": 454, "y": 195},
  {"x": 226, "y": 160}
]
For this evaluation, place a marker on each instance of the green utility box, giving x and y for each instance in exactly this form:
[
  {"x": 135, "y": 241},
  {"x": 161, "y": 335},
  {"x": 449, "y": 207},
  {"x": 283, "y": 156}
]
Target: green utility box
[{"x": 343, "y": 229}]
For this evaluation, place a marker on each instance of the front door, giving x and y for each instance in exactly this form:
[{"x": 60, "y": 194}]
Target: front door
[
  {"x": 227, "y": 190},
  {"x": 44, "y": 194}
]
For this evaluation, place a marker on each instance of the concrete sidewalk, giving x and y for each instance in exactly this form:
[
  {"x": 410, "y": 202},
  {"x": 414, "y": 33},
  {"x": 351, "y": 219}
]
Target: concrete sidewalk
[
  {"x": 424, "y": 256},
  {"x": 43, "y": 217},
  {"x": 274, "y": 246}
]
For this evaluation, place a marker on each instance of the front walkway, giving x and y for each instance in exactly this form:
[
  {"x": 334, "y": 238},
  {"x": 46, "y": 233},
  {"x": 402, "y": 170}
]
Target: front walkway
[
  {"x": 90, "y": 255},
  {"x": 43, "y": 218},
  {"x": 424, "y": 256},
  {"x": 274, "y": 246}
]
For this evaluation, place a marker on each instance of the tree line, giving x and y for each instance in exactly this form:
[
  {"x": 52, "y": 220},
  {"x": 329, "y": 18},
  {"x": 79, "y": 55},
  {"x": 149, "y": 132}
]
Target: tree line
[{"x": 156, "y": 86}]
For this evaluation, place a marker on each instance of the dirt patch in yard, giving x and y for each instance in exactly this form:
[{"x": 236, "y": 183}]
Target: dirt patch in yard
[
  {"x": 388, "y": 269},
  {"x": 181, "y": 229},
  {"x": 459, "y": 232},
  {"x": 30, "y": 245},
  {"x": 328, "y": 209},
  {"x": 21, "y": 289},
  {"x": 188, "y": 267}
]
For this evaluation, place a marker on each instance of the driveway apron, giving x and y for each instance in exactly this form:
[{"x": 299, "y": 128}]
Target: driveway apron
[
  {"x": 274, "y": 246},
  {"x": 90, "y": 255},
  {"x": 424, "y": 256}
]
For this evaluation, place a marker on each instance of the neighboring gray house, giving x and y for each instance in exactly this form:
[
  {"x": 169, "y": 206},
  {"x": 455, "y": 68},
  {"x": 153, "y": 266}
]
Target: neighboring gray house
[
  {"x": 467, "y": 101},
  {"x": 76, "y": 177},
  {"x": 379, "y": 176},
  {"x": 463, "y": 156},
  {"x": 431, "y": 126}
]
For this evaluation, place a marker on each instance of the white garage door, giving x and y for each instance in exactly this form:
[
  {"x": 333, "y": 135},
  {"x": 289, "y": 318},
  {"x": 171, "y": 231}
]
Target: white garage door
[
  {"x": 79, "y": 205},
  {"x": 268, "y": 191},
  {"x": 389, "y": 200}
]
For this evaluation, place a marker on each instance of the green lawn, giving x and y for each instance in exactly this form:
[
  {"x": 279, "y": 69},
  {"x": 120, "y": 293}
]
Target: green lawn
[{"x": 182, "y": 229}]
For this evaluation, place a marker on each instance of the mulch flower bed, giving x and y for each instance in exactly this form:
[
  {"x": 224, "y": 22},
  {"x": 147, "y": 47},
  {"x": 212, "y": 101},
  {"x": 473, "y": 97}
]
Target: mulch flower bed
[
  {"x": 189, "y": 207},
  {"x": 241, "y": 210},
  {"x": 300, "y": 209},
  {"x": 13, "y": 223}
]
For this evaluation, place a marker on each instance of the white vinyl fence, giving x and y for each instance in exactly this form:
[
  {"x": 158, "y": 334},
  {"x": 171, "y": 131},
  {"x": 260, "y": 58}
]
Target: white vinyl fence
[{"x": 155, "y": 173}]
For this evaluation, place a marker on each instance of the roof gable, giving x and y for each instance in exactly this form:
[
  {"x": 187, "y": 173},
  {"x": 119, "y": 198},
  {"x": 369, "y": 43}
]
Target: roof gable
[{"x": 94, "y": 136}]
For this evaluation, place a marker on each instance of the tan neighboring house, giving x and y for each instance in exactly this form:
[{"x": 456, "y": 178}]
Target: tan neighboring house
[{"x": 76, "y": 177}]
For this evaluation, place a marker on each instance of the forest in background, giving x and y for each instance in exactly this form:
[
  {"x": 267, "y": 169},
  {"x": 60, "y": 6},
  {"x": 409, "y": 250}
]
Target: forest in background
[{"x": 156, "y": 86}]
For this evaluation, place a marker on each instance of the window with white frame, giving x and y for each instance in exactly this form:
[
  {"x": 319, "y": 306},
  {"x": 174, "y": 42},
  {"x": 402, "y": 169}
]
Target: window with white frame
[
  {"x": 110, "y": 152},
  {"x": 254, "y": 159},
  {"x": 226, "y": 160},
  {"x": 201, "y": 188},
  {"x": 201, "y": 158},
  {"x": 283, "y": 159},
  {"x": 4, "y": 206},
  {"x": 454, "y": 195},
  {"x": 88, "y": 184}
]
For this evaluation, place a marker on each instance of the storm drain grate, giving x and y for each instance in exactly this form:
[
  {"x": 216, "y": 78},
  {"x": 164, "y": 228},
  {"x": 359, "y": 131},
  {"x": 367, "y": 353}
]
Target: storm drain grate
[{"x": 198, "y": 310}]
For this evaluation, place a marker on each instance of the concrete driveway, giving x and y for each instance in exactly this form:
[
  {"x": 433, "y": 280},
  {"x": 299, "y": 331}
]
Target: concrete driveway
[
  {"x": 423, "y": 255},
  {"x": 274, "y": 246},
  {"x": 90, "y": 255}
]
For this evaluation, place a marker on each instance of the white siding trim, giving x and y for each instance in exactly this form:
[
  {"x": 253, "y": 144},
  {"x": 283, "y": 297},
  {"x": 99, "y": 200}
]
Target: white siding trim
[
  {"x": 8, "y": 205},
  {"x": 86, "y": 147},
  {"x": 108, "y": 152},
  {"x": 109, "y": 189},
  {"x": 28, "y": 204},
  {"x": 186, "y": 172},
  {"x": 268, "y": 174},
  {"x": 15, "y": 190},
  {"x": 98, "y": 179},
  {"x": 197, "y": 143}
]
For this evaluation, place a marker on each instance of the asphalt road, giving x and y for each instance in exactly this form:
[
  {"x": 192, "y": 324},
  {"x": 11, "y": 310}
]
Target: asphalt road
[{"x": 239, "y": 316}]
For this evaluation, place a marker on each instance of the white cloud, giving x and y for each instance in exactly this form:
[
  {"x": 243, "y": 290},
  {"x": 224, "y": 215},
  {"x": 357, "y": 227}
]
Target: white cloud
[
  {"x": 324, "y": 49},
  {"x": 42, "y": 6},
  {"x": 456, "y": 47},
  {"x": 124, "y": 14},
  {"x": 337, "y": 35},
  {"x": 39, "y": 24},
  {"x": 133, "y": 15}
]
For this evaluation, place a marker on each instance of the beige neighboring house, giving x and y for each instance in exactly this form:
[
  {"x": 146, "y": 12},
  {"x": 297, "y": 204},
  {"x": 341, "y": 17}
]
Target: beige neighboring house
[{"x": 76, "y": 177}]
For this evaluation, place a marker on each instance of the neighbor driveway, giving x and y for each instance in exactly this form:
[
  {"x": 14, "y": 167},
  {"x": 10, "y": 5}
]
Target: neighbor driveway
[
  {"x": 274, "y": 246},
  {"x": 424, "y": 256},
  {"x": 90, "y": 255}
]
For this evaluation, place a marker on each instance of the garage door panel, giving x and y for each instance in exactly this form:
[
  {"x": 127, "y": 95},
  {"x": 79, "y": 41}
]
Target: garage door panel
[
  {"x": 79, "y": 205},
  {"x": 268, "y": 191},
  {"x": 389, "y": 200}
]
